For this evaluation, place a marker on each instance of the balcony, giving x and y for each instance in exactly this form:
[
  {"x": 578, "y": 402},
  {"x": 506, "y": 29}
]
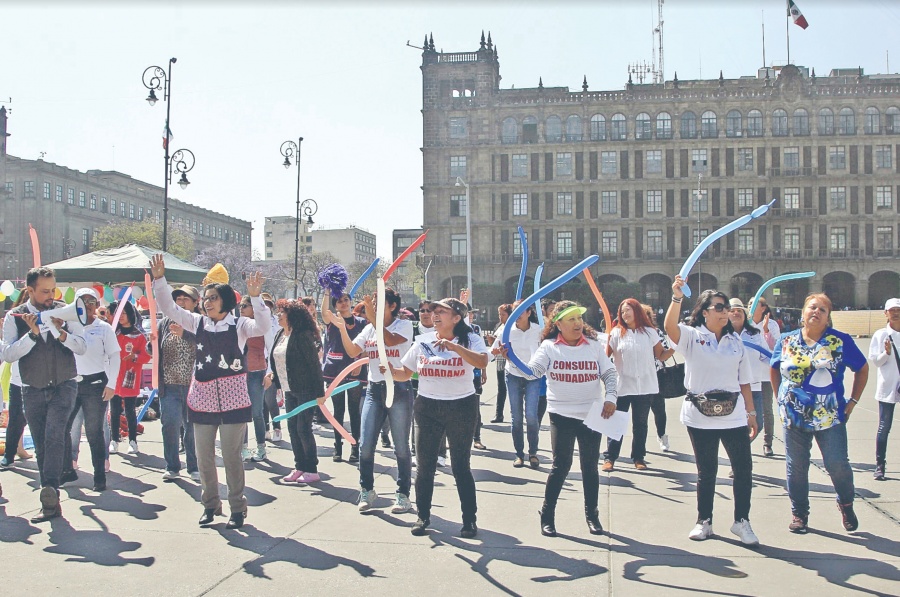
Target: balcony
[
  {"x": 840, "y": 253},
  {"x": 791, "y": 171},
  {"x": 800, "y": 212}
]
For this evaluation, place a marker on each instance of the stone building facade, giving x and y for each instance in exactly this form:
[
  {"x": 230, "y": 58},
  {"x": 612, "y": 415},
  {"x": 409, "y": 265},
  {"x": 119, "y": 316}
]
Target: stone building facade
[{"x": 617, "y": 173}]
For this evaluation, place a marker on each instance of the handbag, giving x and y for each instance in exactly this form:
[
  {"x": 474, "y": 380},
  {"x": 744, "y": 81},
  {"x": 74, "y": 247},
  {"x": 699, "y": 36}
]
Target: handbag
[
  {"x": 714, "y": 404},
  {"x": 671, "y": 380}
]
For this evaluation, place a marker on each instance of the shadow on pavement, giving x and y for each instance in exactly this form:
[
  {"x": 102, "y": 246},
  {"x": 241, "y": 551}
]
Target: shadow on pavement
[
  {"x": 15, "y": 529},
  {"x": 99, "y": 547}
]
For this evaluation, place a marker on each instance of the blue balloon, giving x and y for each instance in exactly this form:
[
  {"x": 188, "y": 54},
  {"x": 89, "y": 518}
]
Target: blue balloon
[
  {"x": 709, "y": 240},
  {"x": 783, "y": 278},
  {"x": 537, "y": 286},
  {"x": 312, "y": 403},
  {"x": 150, "y": 400},
  {"x": 758, "y": 349},
  {"x": 574, "y": 272},
  {"x": 524, "y": 243},
  {"x": 363, "y": 277}
]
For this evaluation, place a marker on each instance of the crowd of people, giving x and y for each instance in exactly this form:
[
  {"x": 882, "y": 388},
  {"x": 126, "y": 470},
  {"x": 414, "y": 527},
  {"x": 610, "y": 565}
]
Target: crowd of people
[{"x": 227, "y": 363}]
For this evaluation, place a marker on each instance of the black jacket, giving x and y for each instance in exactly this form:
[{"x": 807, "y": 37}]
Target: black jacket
[{"x": 304, "y": 371}]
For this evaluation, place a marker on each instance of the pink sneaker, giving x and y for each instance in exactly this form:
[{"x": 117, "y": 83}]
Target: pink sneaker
[
  {"x": 293, "y": 477},
  {"x": 309, "y": 478}
]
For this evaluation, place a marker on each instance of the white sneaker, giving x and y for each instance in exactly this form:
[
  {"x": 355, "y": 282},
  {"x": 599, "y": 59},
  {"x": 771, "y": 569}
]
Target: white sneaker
[
  {"x": 316, "y": 427},
  {"x": 276, "y": 435},
  {"x": 401, "y": 504},
  {"x": 366, "y": 499},
  {"x": 133, "y": 447},
  {"x": 664, "y": 442},
  {"x": 260, "y": 454},
  {"x": 703, "y": 530},
  {"x": 195, "y": 476},
  {"x": 442, "y": 461},
  {"x": 171, "y": 475},
  {"x": 113, "y": 447},
  {"x": 246, "y": 454},
  {"x": 268, "y": 436},
  {"x": 742, "y": 529}
]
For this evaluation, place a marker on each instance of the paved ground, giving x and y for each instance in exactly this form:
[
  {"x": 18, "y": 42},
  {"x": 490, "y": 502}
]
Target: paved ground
[{"x": 141, "y": 537}]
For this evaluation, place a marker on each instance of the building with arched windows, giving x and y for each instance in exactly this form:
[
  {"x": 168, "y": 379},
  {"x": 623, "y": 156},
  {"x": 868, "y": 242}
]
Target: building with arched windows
[{"x": 617, "y": 173}]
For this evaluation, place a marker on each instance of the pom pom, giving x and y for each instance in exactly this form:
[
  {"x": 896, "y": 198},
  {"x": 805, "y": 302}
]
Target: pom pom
[{"x": 334, "y": 279}]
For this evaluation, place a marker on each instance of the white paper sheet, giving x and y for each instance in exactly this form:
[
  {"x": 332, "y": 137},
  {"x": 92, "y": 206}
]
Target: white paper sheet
[{"x": 614, "y": 427}]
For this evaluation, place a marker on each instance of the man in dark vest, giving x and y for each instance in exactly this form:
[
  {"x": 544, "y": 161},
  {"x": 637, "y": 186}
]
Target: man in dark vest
[{"x": 46, "y": 356}]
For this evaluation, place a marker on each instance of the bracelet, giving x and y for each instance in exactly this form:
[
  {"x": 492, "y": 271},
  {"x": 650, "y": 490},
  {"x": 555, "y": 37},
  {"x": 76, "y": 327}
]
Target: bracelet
[
  {"x": 676, "y": 300},
  {"x": 854, "y": 400}
]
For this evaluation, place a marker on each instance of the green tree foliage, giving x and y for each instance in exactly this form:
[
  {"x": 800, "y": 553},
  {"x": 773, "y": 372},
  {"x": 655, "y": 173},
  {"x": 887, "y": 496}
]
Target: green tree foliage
[{"x": 147, "y": 233}]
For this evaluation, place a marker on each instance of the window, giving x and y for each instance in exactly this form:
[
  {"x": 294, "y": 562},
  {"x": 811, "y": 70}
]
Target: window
[
  {"x": 457, "y": 166},
  {"x": 801, "y": 122},
  {"x": 779, "y": 123},
  {"x": 564, "y": 164},
  {"x": 10, "y": 189},
  {"x": 838, "y": 242},
  {"x": 459, "y": 127},
  {"x": 520, "y": 204},
  {"x": 131, "y": 211},
  {"x": 564, "y": 204},
  {"x": 883, "y": 156},
  {"x": 688, "y": 125},
  {"x": 745, "y": 241},
  {"x": 103, "y": 204},
  {"x": 642, "y": 126},
  {"x": 838, "y": 197},
  {"x": 654, "y": 202},
  {"x": 93, "y": 202},
  {"x": 754, "y": 123},
  {"x": 609, "y": 242},
  {"x": 883, "y": 197},
  {"x": 458, "y": 245},
  {"x": 29, "y": 189},
  {"x": 654, "y": 243},
  {"x": 745, "y": 199},
  {"x": 846, "y": 122},
  {"x": 573, "y": 128},
  {"x": 85, "y": 238},
  {"x": 520, "y": 164},
  {"x": 59, "y": 193},
  {"x": 790, "y": 165},
  {"x": 837, "y": 157},
  {"x": 509, "y": 131},
  {"x": 698, "y": 160},
  {"x": 654, "y": 161},
  {"x": 873, "y": 121},
  {"x": 70, "y": 196},
  {"x": 745, "y": 159},
  {"x": 609, "y": 202},
  {"x": 47, "y": 190},
  {"x": 826, "y": 121},
  {"x": 564, "y": 244},
  {"x": 733, "y": 124},
  {"x": 122, "y": 205},
  {"x": 82, "y": 198},
  {"x": 553, "y": 130},
  {"x": 608, "y": 163},
  {"x": 141, "y": 216},
  {"x": 791, "y": 198},
  {"x": 697, "y": 235},
  {"x": 663, "y": 125},
  {"x": 884, "y": 237},
  {"x": 708, "y": 127},
  {"x": 113, "y": 206},
  {"x": 791, "y": 240},
  {"x": 529, "y": 130},
  {"x": 892, "y": 120},
  {"x": 458, "y": 205},
  {"x": 701, "y": 201},
  {"x": 269, "y": 245},
  {"x": 517, "y": 244},
  {"x": 618, "y": 130},
  {"x": 598, "y": 127}
]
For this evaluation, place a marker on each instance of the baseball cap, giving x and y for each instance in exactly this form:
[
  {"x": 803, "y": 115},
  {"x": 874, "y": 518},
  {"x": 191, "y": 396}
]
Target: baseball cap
[
  {"x": 892, "y": 304},
  {"x": 455, "y": 305}
]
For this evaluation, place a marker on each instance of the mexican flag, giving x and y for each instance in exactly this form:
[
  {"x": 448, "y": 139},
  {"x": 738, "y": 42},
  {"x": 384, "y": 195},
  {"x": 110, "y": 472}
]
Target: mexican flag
[
  {"x": 169, "y": 137},
  {"x": 796, "y": 15}
]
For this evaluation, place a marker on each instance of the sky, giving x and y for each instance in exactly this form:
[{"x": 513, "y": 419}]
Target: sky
[{"x": 251, "y": 75}]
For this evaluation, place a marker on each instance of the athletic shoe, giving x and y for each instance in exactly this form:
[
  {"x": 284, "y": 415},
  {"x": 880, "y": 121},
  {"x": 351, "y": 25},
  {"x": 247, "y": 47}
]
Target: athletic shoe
[
  {"x": 664, "y": 442},
  {"x": 195, "y": 476},
  {"x": 879, "y": 472},
  {"x": 367, "y": 499},
  {"x": 309, "y": 478},
  {"x": 848, "y": 516},
  {"x": 702, "y": 530},
  {"x": 798, "y": 525},
  {"x": 133, "y": 447},
  {"x": 276, "y": 435},
  {"x": 260, "y": 453},
  {"x": 442, "y": 462},
  {"x": 401, "y": 504},
  {"x": 268, "y": 436},
  {"x": 113, "y": 447},
  {"x": 292, "y": 478},
  {"x": 420, "y": 527},
  {"x": 5, "y": 464},
  {"x": 742, "y": 529},
  {"x": 171, "y": 475},
  {"x": 246, "y": 454},
  {"x": 767, "y": 451}
]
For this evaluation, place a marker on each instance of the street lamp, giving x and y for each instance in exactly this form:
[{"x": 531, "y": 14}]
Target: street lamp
[
  {"x": 461, "y": 183},
  {"x": 289, "y": 150},
  {"x": 155, "y": 78}
]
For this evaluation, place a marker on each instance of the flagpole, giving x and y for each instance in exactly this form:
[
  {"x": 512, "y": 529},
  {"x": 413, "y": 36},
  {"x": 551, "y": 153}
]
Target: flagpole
[
  {"x": 764, "y": 37},
  {"x": 787, "y": 29}
]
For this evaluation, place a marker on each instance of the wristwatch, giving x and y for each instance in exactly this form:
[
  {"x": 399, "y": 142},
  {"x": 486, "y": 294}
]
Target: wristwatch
[
  {"x": 34, "y": 336},
  {"x": 751, "y": 413}
]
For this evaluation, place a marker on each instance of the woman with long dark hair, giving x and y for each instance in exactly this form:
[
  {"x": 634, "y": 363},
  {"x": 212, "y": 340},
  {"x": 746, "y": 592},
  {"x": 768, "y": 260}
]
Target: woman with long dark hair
[
  {"x": 743, "y": 326},
  {"x": 133, "y": 354},
  {"x": 717, "y": 378}
]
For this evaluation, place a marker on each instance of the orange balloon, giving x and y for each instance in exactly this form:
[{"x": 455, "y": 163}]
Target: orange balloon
[{"x": 57, "y": 294}]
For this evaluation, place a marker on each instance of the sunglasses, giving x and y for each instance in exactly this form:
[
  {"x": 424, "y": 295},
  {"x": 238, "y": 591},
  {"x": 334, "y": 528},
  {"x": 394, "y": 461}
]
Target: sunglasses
[{"x": 718, "y": 308}]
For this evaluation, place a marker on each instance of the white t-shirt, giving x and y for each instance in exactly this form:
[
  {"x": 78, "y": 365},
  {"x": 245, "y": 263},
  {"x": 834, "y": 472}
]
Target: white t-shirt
[
  {"x": 713, "y": 365},
  {"x": 102, "y": 355},
  {"x": 888, "y": 376},
  {"x": 573, "y": 375},
  {"x": 443, "y": 375},
  {"x": 367, "y": 341},
  {"x": 759, "y": 363},
  {"x": 632, "y": 355},
  {"x": 279, "y": 353},
  {"x": 524, "y": 344}
]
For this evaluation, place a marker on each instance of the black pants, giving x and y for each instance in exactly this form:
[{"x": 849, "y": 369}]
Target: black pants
[
  {"x": 270, "y": 406},
  {"x": 885, "y": 421},
  {"x": 16, "y": 423},
  {"x": 658, "y": 406},
  {"x": 457, "y": 419},
  {"x": 542, "y": 408},
  {"x": 353, "y": 398},
  {"x": 90, "y": 399},
  {"x": 501, "y": 392},
  {"x": 303, "y": 441},
  {"x": 115, "y": 416},
  {"x": 564, "y": 432},
  {"x": 706, "y": 452},
  {"x": 640, "y": 416},
  {"x": 47, "y": 411}
]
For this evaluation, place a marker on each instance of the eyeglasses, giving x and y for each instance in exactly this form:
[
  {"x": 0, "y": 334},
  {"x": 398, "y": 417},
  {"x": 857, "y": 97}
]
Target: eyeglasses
[
  {"x": 718, "y": 308},
  {"x": 424, "y": 310},
  {"x": 89, "y": 302},
  {"x": 245, "y": 305},
  {"x": 210, "y": 297}
]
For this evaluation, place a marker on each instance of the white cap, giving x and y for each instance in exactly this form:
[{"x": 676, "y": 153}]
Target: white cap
[
  {"x": 93, "y": 293},
  {"x": 892, "y": 304}
]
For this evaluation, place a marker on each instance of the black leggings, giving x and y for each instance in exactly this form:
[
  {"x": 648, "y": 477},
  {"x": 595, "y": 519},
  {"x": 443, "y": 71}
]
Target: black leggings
[
  {"x": 564, "y": 431},
  {"x": 16, "y": 422},
  {"x": 658, "y": 407},
  {"x": 115, "y": 416},
  {"x": 340, "y": 403},
  {"x": 736, "y": 442}
]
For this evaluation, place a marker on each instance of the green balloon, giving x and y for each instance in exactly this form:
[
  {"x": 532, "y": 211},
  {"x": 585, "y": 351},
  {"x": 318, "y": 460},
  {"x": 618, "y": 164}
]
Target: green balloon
[
  {"x": 15, "y": 295},
  {"x": 69, "y": 296}
]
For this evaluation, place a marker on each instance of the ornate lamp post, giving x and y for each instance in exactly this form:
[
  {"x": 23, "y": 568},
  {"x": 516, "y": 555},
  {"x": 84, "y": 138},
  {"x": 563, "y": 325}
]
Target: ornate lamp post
[{"x": 308, "y": 207}]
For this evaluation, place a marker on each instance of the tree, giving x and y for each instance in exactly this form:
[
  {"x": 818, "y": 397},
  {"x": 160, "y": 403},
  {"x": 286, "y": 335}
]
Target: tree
[
  {"x": 357, "y": 269},
  {"x": 147, "y": 233},
  {"x": 235, "y": 258}
]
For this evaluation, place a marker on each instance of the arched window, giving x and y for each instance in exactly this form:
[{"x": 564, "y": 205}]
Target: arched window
[
  {"x": 846, "y": 122},
  {"x": 733, "y": 125},
  {"x": 708, "y": 126},
  {"x": 509, "y": 131},
  {"x": 642, "y": 126},
  {"x": 688, "y": 125},
  {"x": 573, "y": 128},
  {"x": 663, "y": 125},
  {"x": 618, "y": 130},
  {"x": 826, "y": 121},
  {"x": 754, "y": 123},
  {"x": 553, "y": 130},
  {"x": 779, "y": 123},
  {"x": 598, "y": 127},
  {"x": 892, "y": 120},
  {"x": 529, "y": 130},
  {"x": 873, "y": 121},
  {"x": 801, "y": 122}
]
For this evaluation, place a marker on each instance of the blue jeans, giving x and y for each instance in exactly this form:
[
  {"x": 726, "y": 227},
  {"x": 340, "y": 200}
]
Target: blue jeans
[
  {"x": 257, "y": 402},
  {"x": 758, "y": 407},
  {"x": 833, "y": 445},
  {"x": 885, "y": 420},
  {"x": 399, "y": 415},
  {"x": 47, "y": 411},
  {"x": 524, "y": 394},
  {"x": 173, "y": 415}
]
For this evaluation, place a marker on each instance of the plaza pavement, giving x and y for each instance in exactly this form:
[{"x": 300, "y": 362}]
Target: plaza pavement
[{"x": 141, "y": 537}]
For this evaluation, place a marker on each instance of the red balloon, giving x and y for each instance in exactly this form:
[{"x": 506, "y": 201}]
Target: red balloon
[
  {"x": 142, "y": 302},
  {"x": 237, "y": 296},
  {"x": 98, "y": 288}
]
